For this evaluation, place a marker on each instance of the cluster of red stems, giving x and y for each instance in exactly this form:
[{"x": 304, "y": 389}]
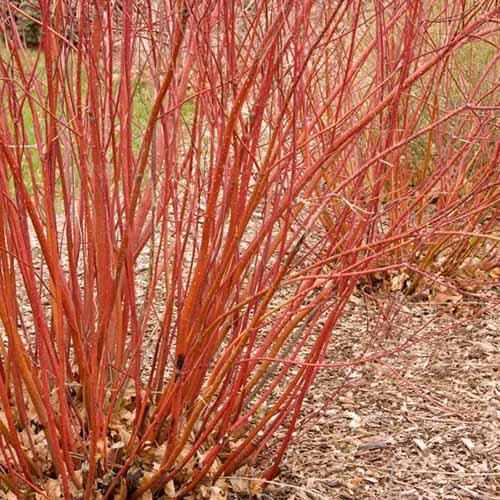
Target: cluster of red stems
[{"x": 291, "y": 148}]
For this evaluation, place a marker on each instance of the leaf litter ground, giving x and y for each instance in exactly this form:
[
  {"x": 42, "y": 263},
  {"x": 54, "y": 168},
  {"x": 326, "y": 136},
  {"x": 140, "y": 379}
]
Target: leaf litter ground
[{"x": 421, "y": 424}]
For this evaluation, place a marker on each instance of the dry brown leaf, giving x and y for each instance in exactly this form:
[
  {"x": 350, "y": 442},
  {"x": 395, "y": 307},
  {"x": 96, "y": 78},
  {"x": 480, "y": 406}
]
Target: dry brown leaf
[
  {"x": 3, "y": 419},
  {"x": 355, "y": 422},
  {"x": 145, "y": 478},
  {"x": 53, "y": 489},
  {"x": 448, "y": 295},
  {"x": 154, "y": 456},
  {"x": 42, "y": 456},
  {"x": 239, "y": 485},
  {"x": 356, "y": 482},
  {"x": 169, "y": 489},
  {"x": 122, "y": 492},
  {"x": 100, "y": 448},
  {"x": 117, "y": 445},
  {"x": 74, "y": 491},
  {"x": 217, "y": 493},
  {"x": 187, "y": 471},
  {"x": 240, "y": 431},
  {"x": 494, "y": 273},
  {"x": 256, "y": 486},
  {"x": 398, "y": 281}
]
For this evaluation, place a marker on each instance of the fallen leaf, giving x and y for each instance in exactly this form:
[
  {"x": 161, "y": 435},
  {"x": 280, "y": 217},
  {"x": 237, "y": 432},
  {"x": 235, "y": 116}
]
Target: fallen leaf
[
  {"x": 355, "y": 422},
  {"x": 122, "y": 492},
  {"x": 217, "y": 493},
  {"x": 53, "y": 489},
  {"x": 398, "y": 281},
  {"x": 256, "y": 486},
  {"x": 421, "y": 445},
  {"x": 239, "y": 485},
  {"x": 468, "y": 443},
  {"x": 447, "y": 295},
  {"x": 169, "y": 489}
]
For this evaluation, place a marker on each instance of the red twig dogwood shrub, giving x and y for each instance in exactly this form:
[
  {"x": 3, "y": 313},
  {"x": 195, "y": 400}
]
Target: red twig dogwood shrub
[{"x": 190, "y": 191}]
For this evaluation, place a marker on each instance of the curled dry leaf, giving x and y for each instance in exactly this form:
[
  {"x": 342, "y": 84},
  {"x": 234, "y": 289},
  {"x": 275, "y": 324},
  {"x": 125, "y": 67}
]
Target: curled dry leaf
[
  {"x": 3, "y": 419},
  {"x": 42, "y": 456},
  {"x": 74, "y": 491},
  {"x": 398, "y": 281},
  {"x": 256, "y": 486},
  {"x": 169, "y": 489},
  {"x": 444, "y": 294},
  {"x": 213, "y": 492},
  {"x": 239, "y": 485},
  {"x": 355, "y": 422},
  {"x": 101, "y": 448},
  {"x": 117, "y": 445},
  {"x": 217, "y": 493},
  {"x": 53, "y": 489},
  {"x": 121, "y": 494},
  {"x": 187, "y": 471},
  {"x": 144, "y": 479}
]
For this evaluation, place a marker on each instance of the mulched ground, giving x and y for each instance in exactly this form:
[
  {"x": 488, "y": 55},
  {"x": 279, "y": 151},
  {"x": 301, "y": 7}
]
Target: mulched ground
[{"x": 422, "y": 425}]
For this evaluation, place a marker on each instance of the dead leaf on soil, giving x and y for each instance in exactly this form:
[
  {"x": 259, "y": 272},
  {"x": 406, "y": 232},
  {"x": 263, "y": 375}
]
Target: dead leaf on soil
[
  {"x": 239, "y": 485},
  {"x": 169, "y": 489},
  {"x": 420, "y": 443},
  {"x": 122, "y": 492},
  {"x": 444, "y": 294},
  {"x": 256, "y": 486}
]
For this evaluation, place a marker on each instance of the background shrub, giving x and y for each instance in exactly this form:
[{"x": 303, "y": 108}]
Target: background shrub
[{"x": 28, "y": 25}]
